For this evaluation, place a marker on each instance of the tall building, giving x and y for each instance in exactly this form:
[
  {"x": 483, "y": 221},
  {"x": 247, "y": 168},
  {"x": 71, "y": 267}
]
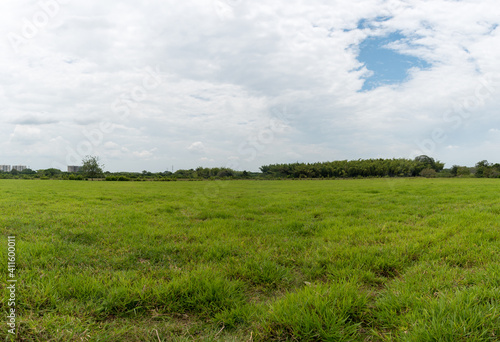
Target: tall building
[
  {"x": 74, "y": 168},
  {"x": 19, "y": 167},
  {"x": 5, "y": 168}
]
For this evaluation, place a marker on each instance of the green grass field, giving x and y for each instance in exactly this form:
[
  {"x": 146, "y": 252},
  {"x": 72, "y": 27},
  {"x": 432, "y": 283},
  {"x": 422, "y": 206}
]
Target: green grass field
[{"x": 340, "y": 260}]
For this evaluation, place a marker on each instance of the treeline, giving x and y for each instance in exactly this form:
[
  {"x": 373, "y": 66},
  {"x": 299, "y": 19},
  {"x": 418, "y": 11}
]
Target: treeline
[
  {"x": 483, "y": 169},
  {"x": 199, "y": 173},
  {"x": 41, "y": 174},
  {"x": 420, "y": 166}
]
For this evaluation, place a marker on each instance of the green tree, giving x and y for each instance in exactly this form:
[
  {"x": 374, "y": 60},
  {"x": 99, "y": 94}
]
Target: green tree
[
  {"x": 28, "y": 172},
  {"x": 463, "y": 171},
  {"x": 91, "y": 167},
  {"x": 52, "y": 172},
  {"x": 483, "y": 169}
]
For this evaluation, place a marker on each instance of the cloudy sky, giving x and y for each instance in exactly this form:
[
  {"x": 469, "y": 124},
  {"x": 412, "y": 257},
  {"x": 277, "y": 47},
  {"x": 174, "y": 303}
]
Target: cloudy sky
[{"x": 159, "y": 84}]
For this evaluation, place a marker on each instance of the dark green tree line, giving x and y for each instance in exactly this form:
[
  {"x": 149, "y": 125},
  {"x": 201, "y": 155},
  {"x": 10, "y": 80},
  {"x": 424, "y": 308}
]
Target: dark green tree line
[{"x": 354, "y": 168}]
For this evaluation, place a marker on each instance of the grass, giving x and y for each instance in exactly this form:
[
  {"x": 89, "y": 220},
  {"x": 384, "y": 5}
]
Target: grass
[{"x": 343, "y": 260}]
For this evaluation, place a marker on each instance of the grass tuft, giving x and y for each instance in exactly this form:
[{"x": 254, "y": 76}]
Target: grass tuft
[{"x": 323, "y": 312}]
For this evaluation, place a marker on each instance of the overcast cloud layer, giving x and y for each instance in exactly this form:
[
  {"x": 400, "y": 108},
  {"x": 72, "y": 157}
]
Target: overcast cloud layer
[{"x": 243, "y": 83}]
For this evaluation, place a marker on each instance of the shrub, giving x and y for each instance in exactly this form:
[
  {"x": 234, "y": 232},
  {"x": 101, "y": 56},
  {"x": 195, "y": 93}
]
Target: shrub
[
  {"x": 428, "y": 173},
  {"x": 463, "y": 171}
]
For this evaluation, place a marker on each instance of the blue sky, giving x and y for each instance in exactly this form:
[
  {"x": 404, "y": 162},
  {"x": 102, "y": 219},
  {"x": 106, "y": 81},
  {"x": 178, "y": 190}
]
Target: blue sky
[
  {"x": 388, "y": 66},
  {"x": 242, "y": 83}
]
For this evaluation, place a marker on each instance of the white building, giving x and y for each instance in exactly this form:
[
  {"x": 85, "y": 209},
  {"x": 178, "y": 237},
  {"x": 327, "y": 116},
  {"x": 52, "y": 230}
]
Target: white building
[
  {"x": 19, "y": 167},
  {"x": 5, "y": 168},
  {"x": 74, "y": 168}
]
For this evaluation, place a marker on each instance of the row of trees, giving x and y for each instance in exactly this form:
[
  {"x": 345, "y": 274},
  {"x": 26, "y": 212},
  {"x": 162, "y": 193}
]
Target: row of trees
[
  {"x": 92, "y": 168},
  {"x": 29, "y": 173},
  {"x": 483, "y": 169},
  {"x": 191, "y": 174},
  {"x": 420, "y": 166},
  {"x": 356, "y": 168}
]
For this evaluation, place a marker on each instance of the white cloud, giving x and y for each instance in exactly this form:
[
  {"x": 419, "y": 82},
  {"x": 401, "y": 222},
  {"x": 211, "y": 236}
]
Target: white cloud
[
  {"x": 26, "y": 134},
  {"x": 197, "y": 147},
  {"x": 225, "y": 68},
  {"x": 111, "y": 145},
  {"x": 143, "y": 154}
]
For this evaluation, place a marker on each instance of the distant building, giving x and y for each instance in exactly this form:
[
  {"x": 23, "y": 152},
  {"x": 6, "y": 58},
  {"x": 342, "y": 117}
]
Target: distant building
[
  {"x": 19, "y": 167},
  {"x": 74, "y": 168},
  {"x": 5, "y": 168}
]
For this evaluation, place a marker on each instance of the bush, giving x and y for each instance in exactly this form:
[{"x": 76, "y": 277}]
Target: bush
[
  {"x": 494, "y": 174},
  {"x": 428, "y": 173},
  {"x": 463, "y": 171}
]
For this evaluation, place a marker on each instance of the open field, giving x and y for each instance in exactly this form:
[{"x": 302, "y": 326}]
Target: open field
[{"x": 342, "y": 260}]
